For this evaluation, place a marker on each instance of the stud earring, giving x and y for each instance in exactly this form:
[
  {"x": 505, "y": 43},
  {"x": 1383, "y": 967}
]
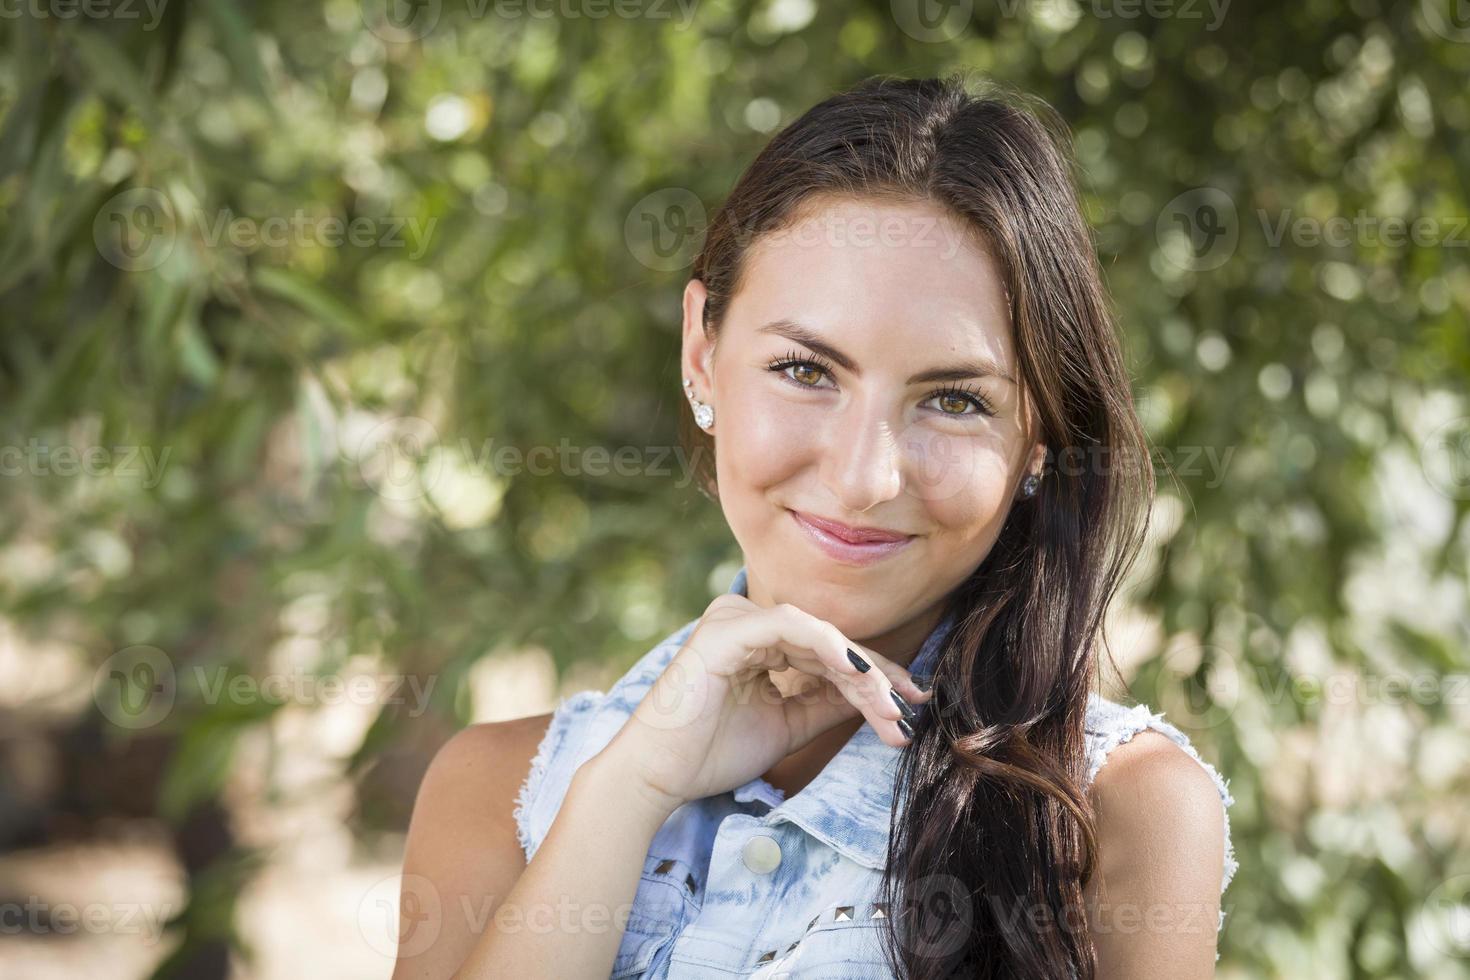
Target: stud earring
[
  {"x": 704, "y": 415},
  {"x": 1030, "y": 485}
]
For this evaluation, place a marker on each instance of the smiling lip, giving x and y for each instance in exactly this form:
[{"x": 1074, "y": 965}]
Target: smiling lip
[
  {"x": 848, "y": 544},
  {"x": 850, "y": 533}
]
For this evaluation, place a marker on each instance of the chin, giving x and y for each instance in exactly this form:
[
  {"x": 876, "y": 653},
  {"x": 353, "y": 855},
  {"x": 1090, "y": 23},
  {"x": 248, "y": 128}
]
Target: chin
[{"x": 857, "y": 607}]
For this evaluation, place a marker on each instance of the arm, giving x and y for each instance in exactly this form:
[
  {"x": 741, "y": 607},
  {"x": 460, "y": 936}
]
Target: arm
[
  {"x": 1154, "y": 902},
  {"x": 566, "y": 914},
  {"x": 462, "y": 856},
  {"x": 478, "y": 909}
]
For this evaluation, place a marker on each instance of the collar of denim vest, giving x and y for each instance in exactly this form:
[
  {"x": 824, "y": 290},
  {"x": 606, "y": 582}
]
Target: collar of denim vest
[{"x": 847, "y": 806}]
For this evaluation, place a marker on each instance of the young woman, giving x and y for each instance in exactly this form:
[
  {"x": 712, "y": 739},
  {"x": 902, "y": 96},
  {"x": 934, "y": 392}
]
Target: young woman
[{"x": 880, "y": 754}]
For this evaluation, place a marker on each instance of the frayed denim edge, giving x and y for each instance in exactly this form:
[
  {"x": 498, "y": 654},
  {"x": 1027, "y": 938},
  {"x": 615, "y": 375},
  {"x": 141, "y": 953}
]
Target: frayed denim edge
[
  {"x": 1138, "y": 718},
  {"x": 565, "y": 712}
]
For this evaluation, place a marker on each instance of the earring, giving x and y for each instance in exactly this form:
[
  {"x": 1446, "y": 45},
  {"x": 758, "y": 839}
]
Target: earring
[
  {"x": 704, "y": 415},
  {"x": 1030, "y": 485}
]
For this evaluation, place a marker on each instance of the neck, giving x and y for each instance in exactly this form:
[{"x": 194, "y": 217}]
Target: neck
[
  {"x": 792, "y": 774},
  {"x": 901, "y": 644}
]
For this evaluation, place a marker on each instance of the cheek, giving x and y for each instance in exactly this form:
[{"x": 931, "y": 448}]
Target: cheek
[
  {"x": 766, "y": 441},
  {"x": 765, "y": 444},
  {"x": 962, "y": 481}
]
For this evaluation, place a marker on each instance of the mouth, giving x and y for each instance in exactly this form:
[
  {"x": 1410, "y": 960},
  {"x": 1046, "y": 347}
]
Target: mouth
[{"x": 848, "y": 544}]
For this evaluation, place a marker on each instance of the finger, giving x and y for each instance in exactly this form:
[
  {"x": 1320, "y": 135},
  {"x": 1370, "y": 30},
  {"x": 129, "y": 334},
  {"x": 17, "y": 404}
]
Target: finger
[
  {"x": 898, "y": 677},
  {"x": 816, "y": 646},
  {"x": 813, "y": 646},
  {"x": 893, "y": 724},
  {"x": 900, "y": 687}
]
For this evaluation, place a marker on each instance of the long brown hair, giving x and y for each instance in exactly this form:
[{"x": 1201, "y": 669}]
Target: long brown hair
[{"x": 990, "y": 880}]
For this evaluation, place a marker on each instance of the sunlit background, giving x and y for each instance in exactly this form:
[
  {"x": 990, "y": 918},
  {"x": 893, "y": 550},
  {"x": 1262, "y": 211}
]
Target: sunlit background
[{"x": 338, "y": 363}]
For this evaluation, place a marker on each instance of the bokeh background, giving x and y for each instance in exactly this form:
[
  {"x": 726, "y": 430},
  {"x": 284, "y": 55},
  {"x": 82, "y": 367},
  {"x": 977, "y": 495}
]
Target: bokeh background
[{"x": 338, "y": 367}]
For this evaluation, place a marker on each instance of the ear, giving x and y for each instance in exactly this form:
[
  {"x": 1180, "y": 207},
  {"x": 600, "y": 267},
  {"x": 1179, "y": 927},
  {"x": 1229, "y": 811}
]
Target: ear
[
  {"x": 1036, "y": 462},
  {"x": 698, "y": 350}
]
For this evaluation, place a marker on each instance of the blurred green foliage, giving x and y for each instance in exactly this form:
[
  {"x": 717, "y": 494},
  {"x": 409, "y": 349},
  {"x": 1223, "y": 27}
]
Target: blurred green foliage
[{"x": 320, "y": 263}]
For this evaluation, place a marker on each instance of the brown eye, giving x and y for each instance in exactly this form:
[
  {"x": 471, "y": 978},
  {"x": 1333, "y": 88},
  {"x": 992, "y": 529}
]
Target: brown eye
[
  {"x": 961, "y": 398},
  {"x": 788, "y": 366},
  {"x": 954, "y": 402},
  {"x": 813, "y": 374}
]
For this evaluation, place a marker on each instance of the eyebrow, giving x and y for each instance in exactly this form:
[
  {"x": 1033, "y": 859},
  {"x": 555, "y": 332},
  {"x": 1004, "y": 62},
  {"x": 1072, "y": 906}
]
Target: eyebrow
[{"x": 792, "y": 330}]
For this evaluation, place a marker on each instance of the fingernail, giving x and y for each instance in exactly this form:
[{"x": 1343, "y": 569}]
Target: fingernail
[
  {"x": 906, "y": 728},
  {"x": 925, "y": 684},
  {"x": 904, "y": 706},
  {"x": 858, "y": 662}
]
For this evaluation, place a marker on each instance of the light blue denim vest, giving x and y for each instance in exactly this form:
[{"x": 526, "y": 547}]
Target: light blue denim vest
[{"x": 751, "y": 884}]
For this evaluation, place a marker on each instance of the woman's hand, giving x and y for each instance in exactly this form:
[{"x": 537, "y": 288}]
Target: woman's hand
[{"x": 714, "y": 720}]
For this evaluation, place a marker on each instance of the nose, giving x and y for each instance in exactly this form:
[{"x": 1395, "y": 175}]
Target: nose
[{"x": 865, "y": 463}]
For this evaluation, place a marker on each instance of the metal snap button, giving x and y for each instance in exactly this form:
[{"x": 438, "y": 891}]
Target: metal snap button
[{"x": 761, "y": 854}]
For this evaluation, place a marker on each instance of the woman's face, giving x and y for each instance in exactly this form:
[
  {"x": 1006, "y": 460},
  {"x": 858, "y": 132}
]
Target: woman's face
[{"x": 863, "y": 375}]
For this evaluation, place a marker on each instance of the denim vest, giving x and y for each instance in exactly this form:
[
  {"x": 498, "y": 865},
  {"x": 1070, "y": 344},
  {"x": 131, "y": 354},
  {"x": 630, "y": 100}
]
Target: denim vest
[{"x": 752, "y": 884}]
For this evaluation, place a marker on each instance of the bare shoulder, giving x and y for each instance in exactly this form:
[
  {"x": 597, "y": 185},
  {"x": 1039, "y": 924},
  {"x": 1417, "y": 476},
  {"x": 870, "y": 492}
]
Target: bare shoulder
[
  {"x": 497, "y": 750},
  {"x": 1155, "y": 897},
  {"x": 474, "y": 777},
  {"x": 462, "y": 856},
  {"x": 1152, "y": 780}
]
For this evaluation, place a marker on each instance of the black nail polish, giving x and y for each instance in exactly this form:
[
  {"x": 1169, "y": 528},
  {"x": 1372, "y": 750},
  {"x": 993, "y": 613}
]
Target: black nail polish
[
  {"x": 924, "y": 684},
  {"x": 906, "y": 728},
  {"x": 904, "y": 706},
  {"x": 858, "y": 662}
]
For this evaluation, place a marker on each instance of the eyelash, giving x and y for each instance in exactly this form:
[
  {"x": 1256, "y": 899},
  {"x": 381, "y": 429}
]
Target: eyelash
[{"x": 795, "y": 359}]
